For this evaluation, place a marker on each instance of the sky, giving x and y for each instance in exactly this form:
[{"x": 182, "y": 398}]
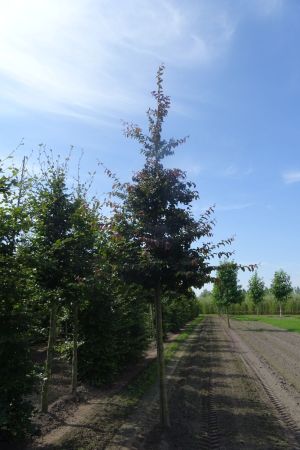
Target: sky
[{"x": 72, "y": 70}]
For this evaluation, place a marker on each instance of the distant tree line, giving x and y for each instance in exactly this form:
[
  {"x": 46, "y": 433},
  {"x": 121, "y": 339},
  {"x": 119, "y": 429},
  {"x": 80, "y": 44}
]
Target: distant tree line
[{"x": 280, "y": 298}]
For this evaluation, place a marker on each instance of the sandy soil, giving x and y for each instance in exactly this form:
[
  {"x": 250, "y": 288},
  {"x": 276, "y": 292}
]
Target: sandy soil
[
  {"x": 274, "y": 354},
  {"x": 95, "y": 415},
  {"x": 228, "y": 389},
  {"x": 217, "y": 401}
]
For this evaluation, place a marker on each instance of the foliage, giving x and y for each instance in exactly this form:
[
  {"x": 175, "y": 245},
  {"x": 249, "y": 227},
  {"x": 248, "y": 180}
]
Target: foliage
[
  {"x": 98, "y": 277},
  {"x": 16, "y": 369},
  {"x": 156, "y": 219},
  {"x": 226, "y": 291},
  {"x": 269, "y": 305},
  {"x": 256, "y": 289},
  {"x": 156, "y": 213},
  {"x": 52, "y": 209},
  {"x": 112, "y": 328},
  {"x": 179, "y": 309},
  {"x": 281, "y": 286}
]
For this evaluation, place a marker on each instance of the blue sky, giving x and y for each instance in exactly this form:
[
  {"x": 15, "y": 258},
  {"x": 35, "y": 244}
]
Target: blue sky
[{"x": 70, "y": 71}]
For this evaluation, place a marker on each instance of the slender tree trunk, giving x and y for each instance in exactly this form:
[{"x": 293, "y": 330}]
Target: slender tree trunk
[
  {"x": 151, "y": 322},
  {"x": 75, "y": 345},
  {"x": 228, "y": 321},
  {"x": 280, "y": 310},
  {"x": 164, "y": 413},
  {"x": 49, "y": 360}
]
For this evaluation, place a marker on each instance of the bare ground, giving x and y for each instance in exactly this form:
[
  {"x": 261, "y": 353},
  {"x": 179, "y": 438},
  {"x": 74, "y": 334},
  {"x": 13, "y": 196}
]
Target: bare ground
[
  {"x": 217, "y": 401},
  {"x": 97, "y": 411},
  {"x": 228, "y": 389}
]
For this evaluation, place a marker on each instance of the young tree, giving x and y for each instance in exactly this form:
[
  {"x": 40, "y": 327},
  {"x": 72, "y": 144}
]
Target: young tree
[
  {"x": 112, "y": 323},
  {"x": 159, "y": 228},
  {"x": 256, "y": 290},
  {"x": 281, "y": 288},
  {"x": 81, "y": 248},
  {"x": 16, "y": 369},
  {"x": 53, "y": 210},
  {"x": 226, "y": 290}
]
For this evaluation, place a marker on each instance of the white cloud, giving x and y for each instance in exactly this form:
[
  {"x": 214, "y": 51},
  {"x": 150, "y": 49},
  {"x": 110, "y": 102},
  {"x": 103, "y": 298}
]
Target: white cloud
[
  {"x": 94, "y": 59},
  {"x": 88, "y": 56},
  {"x": 291, "y": 177}
]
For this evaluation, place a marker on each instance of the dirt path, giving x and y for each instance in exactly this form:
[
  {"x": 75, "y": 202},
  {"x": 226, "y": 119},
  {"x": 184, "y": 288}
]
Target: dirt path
[
  {"x": 91, "y": 422},
  {"x": 228, "y": 389},
  {"x": 217, "y": 401}
]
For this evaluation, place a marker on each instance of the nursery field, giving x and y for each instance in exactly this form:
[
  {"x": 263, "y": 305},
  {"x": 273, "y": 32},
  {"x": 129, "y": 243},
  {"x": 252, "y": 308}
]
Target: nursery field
[
  {"x": 232, "y": 388},
  {"x": 104, "y": 343}
]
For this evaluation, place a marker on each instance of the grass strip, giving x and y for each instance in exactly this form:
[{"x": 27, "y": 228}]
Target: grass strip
[
  {"x": 148, "y": 376},
  {"x": 288, "y": 323}
]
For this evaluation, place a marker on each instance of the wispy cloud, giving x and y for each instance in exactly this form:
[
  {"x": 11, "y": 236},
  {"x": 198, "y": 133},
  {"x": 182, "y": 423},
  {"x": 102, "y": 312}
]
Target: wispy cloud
[
  {"x": 93, "y": 55},
  {"x": 291, "y": 177},
  {"x": 92, "y": 59},
  {"x": 233, "y": 171}
]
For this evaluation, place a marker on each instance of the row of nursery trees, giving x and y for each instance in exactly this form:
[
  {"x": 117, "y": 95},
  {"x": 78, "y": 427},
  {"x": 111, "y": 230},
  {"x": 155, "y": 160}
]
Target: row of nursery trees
[
  {"x": 229, "y": 297},
  {"x": 65, "y": 265}
]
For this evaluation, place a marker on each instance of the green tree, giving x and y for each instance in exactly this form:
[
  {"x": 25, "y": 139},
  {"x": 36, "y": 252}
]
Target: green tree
[
  {"x": 256, "y": 290},
  {"x": 81, "y": 250},
  {"x": 113, "y": 322},
  {"x": 281, "y": 288},
  {"x": 226, "y": 290},
  {"x": 159, "y": 228},
  {"x": 52, "y": 209},
  {"x": 178, "y": 309},
  {"x": 16, "y": 369}
]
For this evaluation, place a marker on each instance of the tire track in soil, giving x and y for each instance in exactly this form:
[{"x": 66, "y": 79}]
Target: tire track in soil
[
  {"x": 253, "y": 365},
  {"x": 210, "y": 440},
  {"x": 142, "y": 428},
  {"x": 277, "y": 348},
  {"x": 206, "y": 432},
  {"x": 215, "y": 403}
]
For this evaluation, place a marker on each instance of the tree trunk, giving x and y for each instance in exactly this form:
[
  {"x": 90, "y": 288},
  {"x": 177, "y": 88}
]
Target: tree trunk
[
  {"x": 151, "y": 322},
  {"x": 48, "y": 369},
  {"x": 75, "y": 345},
  {"x": 164, "y": 413},
  {"x": 228, "y": 321},
  {"x": 280, "y": 310}
]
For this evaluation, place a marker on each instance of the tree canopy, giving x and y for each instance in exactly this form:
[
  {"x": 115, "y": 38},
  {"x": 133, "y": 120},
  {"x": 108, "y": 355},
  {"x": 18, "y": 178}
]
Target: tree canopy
[
  {"x": 281, "y": 287},
  {"x": 256, "y": 289},
  {"x": 226, "y": 290}
]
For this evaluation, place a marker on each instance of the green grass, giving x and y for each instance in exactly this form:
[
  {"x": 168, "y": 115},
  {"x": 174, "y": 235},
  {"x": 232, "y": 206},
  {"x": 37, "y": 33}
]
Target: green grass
[
  {"x": 147, "y": 378},
  {"x": 288, "y": 323}
]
